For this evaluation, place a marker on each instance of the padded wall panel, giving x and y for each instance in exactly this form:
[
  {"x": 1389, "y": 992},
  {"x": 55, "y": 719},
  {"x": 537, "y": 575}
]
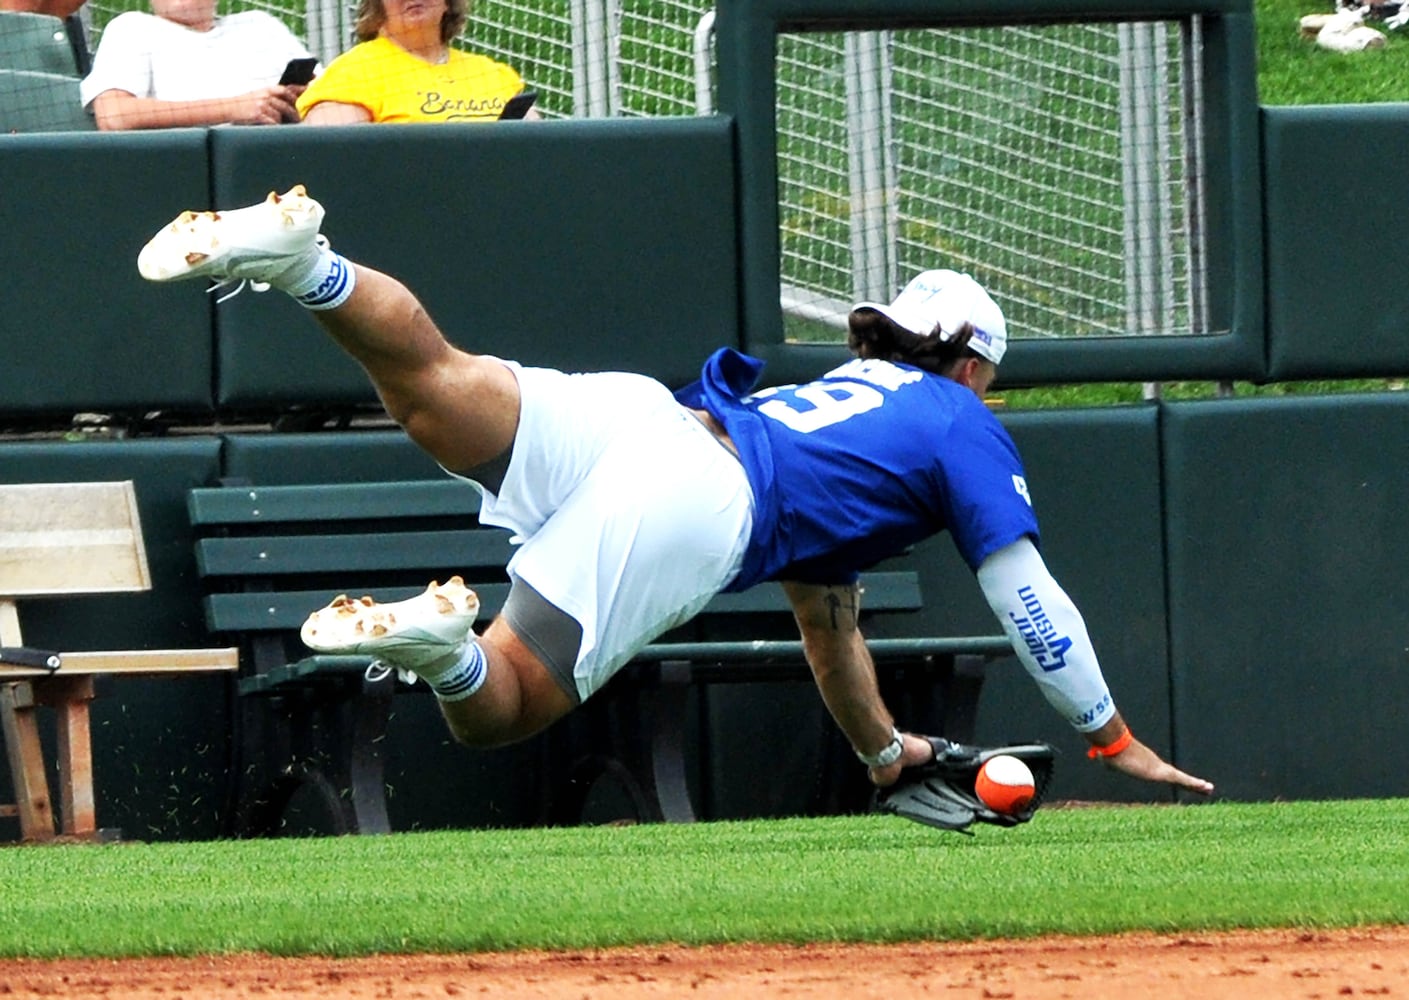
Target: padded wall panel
[
  {"x": 1288, "y": 549},
  {"x": 1335, "y": 303},
  {"x": 1094, "y": 477},
  {"x": 160, "y": 745},
  {"x": 80, "y": 329},
  {"x": 342, "y": 457},
  {"x": 576, "y": 244}
]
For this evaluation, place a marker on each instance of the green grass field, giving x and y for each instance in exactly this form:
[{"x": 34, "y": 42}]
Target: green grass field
[
  {"x": 1294, "y": 70},
  {"x": 867, "y": 878}
]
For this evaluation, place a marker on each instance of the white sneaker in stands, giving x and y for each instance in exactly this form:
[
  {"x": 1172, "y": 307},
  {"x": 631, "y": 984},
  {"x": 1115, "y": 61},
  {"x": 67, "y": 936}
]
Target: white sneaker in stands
[
  {"x": 417, "y": 635},
  {"x": 256, "y": 244},
  {"x": 1310, "y": 25},
  {"x": 1345, "y": 31}
]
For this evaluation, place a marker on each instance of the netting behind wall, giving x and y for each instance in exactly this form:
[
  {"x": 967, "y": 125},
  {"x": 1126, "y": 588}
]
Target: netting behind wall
[{"x": 1059, "y": 165}]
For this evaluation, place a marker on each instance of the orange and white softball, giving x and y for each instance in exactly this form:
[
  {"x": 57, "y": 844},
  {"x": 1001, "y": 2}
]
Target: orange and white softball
[{"x": 1005, "y": 784}]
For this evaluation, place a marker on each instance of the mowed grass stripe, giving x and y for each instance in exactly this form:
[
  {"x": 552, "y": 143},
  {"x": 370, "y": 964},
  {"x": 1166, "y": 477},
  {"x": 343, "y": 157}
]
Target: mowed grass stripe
[{"x": 865, "y": 878}]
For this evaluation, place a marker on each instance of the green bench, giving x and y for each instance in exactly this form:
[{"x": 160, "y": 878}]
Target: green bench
[{"x": 269, "y": 555}]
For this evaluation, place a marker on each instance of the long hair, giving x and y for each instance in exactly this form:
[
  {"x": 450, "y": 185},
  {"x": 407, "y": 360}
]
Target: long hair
[
  {"x": 371, "y": 15},
  {"x": 872, "y": 334}
]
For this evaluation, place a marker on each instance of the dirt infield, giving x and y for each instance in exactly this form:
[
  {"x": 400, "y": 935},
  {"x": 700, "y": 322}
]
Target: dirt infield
[{"x": 1284, "y": 964}]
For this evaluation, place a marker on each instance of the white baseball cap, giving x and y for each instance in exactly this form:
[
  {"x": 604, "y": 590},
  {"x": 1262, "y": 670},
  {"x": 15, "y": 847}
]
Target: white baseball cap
[{"x": 947, "y": 300}]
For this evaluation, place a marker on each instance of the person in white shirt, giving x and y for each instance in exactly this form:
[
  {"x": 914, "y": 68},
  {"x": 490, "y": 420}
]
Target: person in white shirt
[{"x": 183, "y": 65}]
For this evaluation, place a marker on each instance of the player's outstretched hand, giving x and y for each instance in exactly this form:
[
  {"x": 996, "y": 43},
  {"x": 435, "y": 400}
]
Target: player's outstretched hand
[{"x": 1139, "y": 761}]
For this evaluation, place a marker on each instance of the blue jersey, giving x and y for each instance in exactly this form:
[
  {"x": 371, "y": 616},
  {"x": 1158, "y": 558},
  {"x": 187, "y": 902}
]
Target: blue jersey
[{"x": 862, "y": 463}]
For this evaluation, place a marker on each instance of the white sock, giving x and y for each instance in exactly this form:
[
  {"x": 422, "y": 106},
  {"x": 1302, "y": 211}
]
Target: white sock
[
  {"x": 464, "y": 678},
  {"x": 326, "y": 285}
]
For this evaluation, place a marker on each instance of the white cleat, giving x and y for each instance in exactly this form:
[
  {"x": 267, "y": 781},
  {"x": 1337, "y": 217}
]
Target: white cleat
[
  {"x": 415, "y": 635},
  {"x": 255, "y": 244}
]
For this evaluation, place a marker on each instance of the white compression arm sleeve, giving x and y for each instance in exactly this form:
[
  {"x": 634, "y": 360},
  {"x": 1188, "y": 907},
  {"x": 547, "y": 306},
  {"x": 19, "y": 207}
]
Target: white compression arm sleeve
[{"x": 1048, "y": 634}]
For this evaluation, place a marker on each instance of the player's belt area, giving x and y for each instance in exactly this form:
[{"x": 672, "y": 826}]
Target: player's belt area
[{"x": 714, "y": 427}]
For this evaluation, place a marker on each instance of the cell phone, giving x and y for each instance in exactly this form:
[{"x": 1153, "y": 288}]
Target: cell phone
[
  {"x": 518, "y": 105},
  {"x": 298, "y": 72}
]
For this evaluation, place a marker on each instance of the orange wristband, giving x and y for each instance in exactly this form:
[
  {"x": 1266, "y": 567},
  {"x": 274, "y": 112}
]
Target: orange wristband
[{"x": 1111, "y": 749}]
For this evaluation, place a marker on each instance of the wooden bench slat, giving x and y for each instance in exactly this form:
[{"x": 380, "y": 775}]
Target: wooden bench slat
[
  {"x": 257, "y": 611},
  {"x": 760, "y": 651},
  {"x": 247, "y": 505},
  {"x": 70, "y": 538},
  {"x": 131, "y": 662},
  {"x": 264, "y": 611},
  {"x": 308, "y": 672},
  {"x": 710, "y": 662},
  {"x": 150, "y": 661},
  {"x": 354, "y": 553}
]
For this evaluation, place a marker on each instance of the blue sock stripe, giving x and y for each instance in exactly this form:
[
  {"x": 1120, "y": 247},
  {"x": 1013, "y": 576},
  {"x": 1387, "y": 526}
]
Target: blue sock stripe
[
  {"x": 466, "y": 680},
  {"x": 461, "y": 682},
  {"x": 331, "y": 287}
]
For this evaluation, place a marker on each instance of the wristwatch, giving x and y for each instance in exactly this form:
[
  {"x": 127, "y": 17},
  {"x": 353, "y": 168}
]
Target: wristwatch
[{"x": 888, "y": 755}]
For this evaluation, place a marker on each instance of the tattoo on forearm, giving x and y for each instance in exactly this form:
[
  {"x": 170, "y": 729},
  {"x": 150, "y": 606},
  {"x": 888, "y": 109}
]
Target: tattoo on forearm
[{"x": 842, "y": 607}]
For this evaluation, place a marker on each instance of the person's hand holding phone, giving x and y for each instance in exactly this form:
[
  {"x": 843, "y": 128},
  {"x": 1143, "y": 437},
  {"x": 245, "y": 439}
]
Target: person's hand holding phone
[
  {"x": 518, "y": 105},
  {"x": 298, "y": 74},
  {"x": 273, "y": 105}
]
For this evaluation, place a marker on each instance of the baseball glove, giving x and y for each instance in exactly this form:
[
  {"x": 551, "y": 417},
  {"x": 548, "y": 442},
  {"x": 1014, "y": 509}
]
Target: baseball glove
[{"x": 941, "y": 793}]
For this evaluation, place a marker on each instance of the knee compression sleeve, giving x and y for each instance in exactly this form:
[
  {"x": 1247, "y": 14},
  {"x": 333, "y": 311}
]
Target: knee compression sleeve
[
  {"x": 552, "y": 634},
  {"x": 1048, "y": 634}
]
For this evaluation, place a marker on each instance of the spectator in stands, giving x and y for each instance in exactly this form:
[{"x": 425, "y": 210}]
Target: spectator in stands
[
  {"x": 54, "y": 8},
  {"x": 77, "y": 23},
  {"x": 184, "y": 65},
  {"x": 405, "y": 70},
  {"x": 634, "y": 506}
]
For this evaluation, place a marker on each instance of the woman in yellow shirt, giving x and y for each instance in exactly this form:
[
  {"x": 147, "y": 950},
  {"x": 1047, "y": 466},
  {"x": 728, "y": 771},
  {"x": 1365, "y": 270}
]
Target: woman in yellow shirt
[{"x": 404, "y": 70}]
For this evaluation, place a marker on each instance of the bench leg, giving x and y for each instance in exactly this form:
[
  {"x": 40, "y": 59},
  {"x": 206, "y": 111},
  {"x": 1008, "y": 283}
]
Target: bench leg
[
  {"x": 330, "y": 742},
  {"x": 70, "y": 697},
  {"x": 665, "y": 721},
  {"x": 962, "y": 687},
  {"x": 17, "y": 714},
  {"x": 258, "y": 791},
  {"x": 266, "y": 817},
  {"x": 940, "y": 697},
  {"x": 640, "y": 720},
  {"x": 365, "y": 776}
]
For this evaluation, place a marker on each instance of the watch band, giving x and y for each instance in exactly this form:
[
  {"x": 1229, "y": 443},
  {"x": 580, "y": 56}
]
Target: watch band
[{"x": 887, "y": 755}]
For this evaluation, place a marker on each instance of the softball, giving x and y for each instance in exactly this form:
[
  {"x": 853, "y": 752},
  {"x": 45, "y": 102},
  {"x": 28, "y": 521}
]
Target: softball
[{"x": 1005, "y": 784}]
